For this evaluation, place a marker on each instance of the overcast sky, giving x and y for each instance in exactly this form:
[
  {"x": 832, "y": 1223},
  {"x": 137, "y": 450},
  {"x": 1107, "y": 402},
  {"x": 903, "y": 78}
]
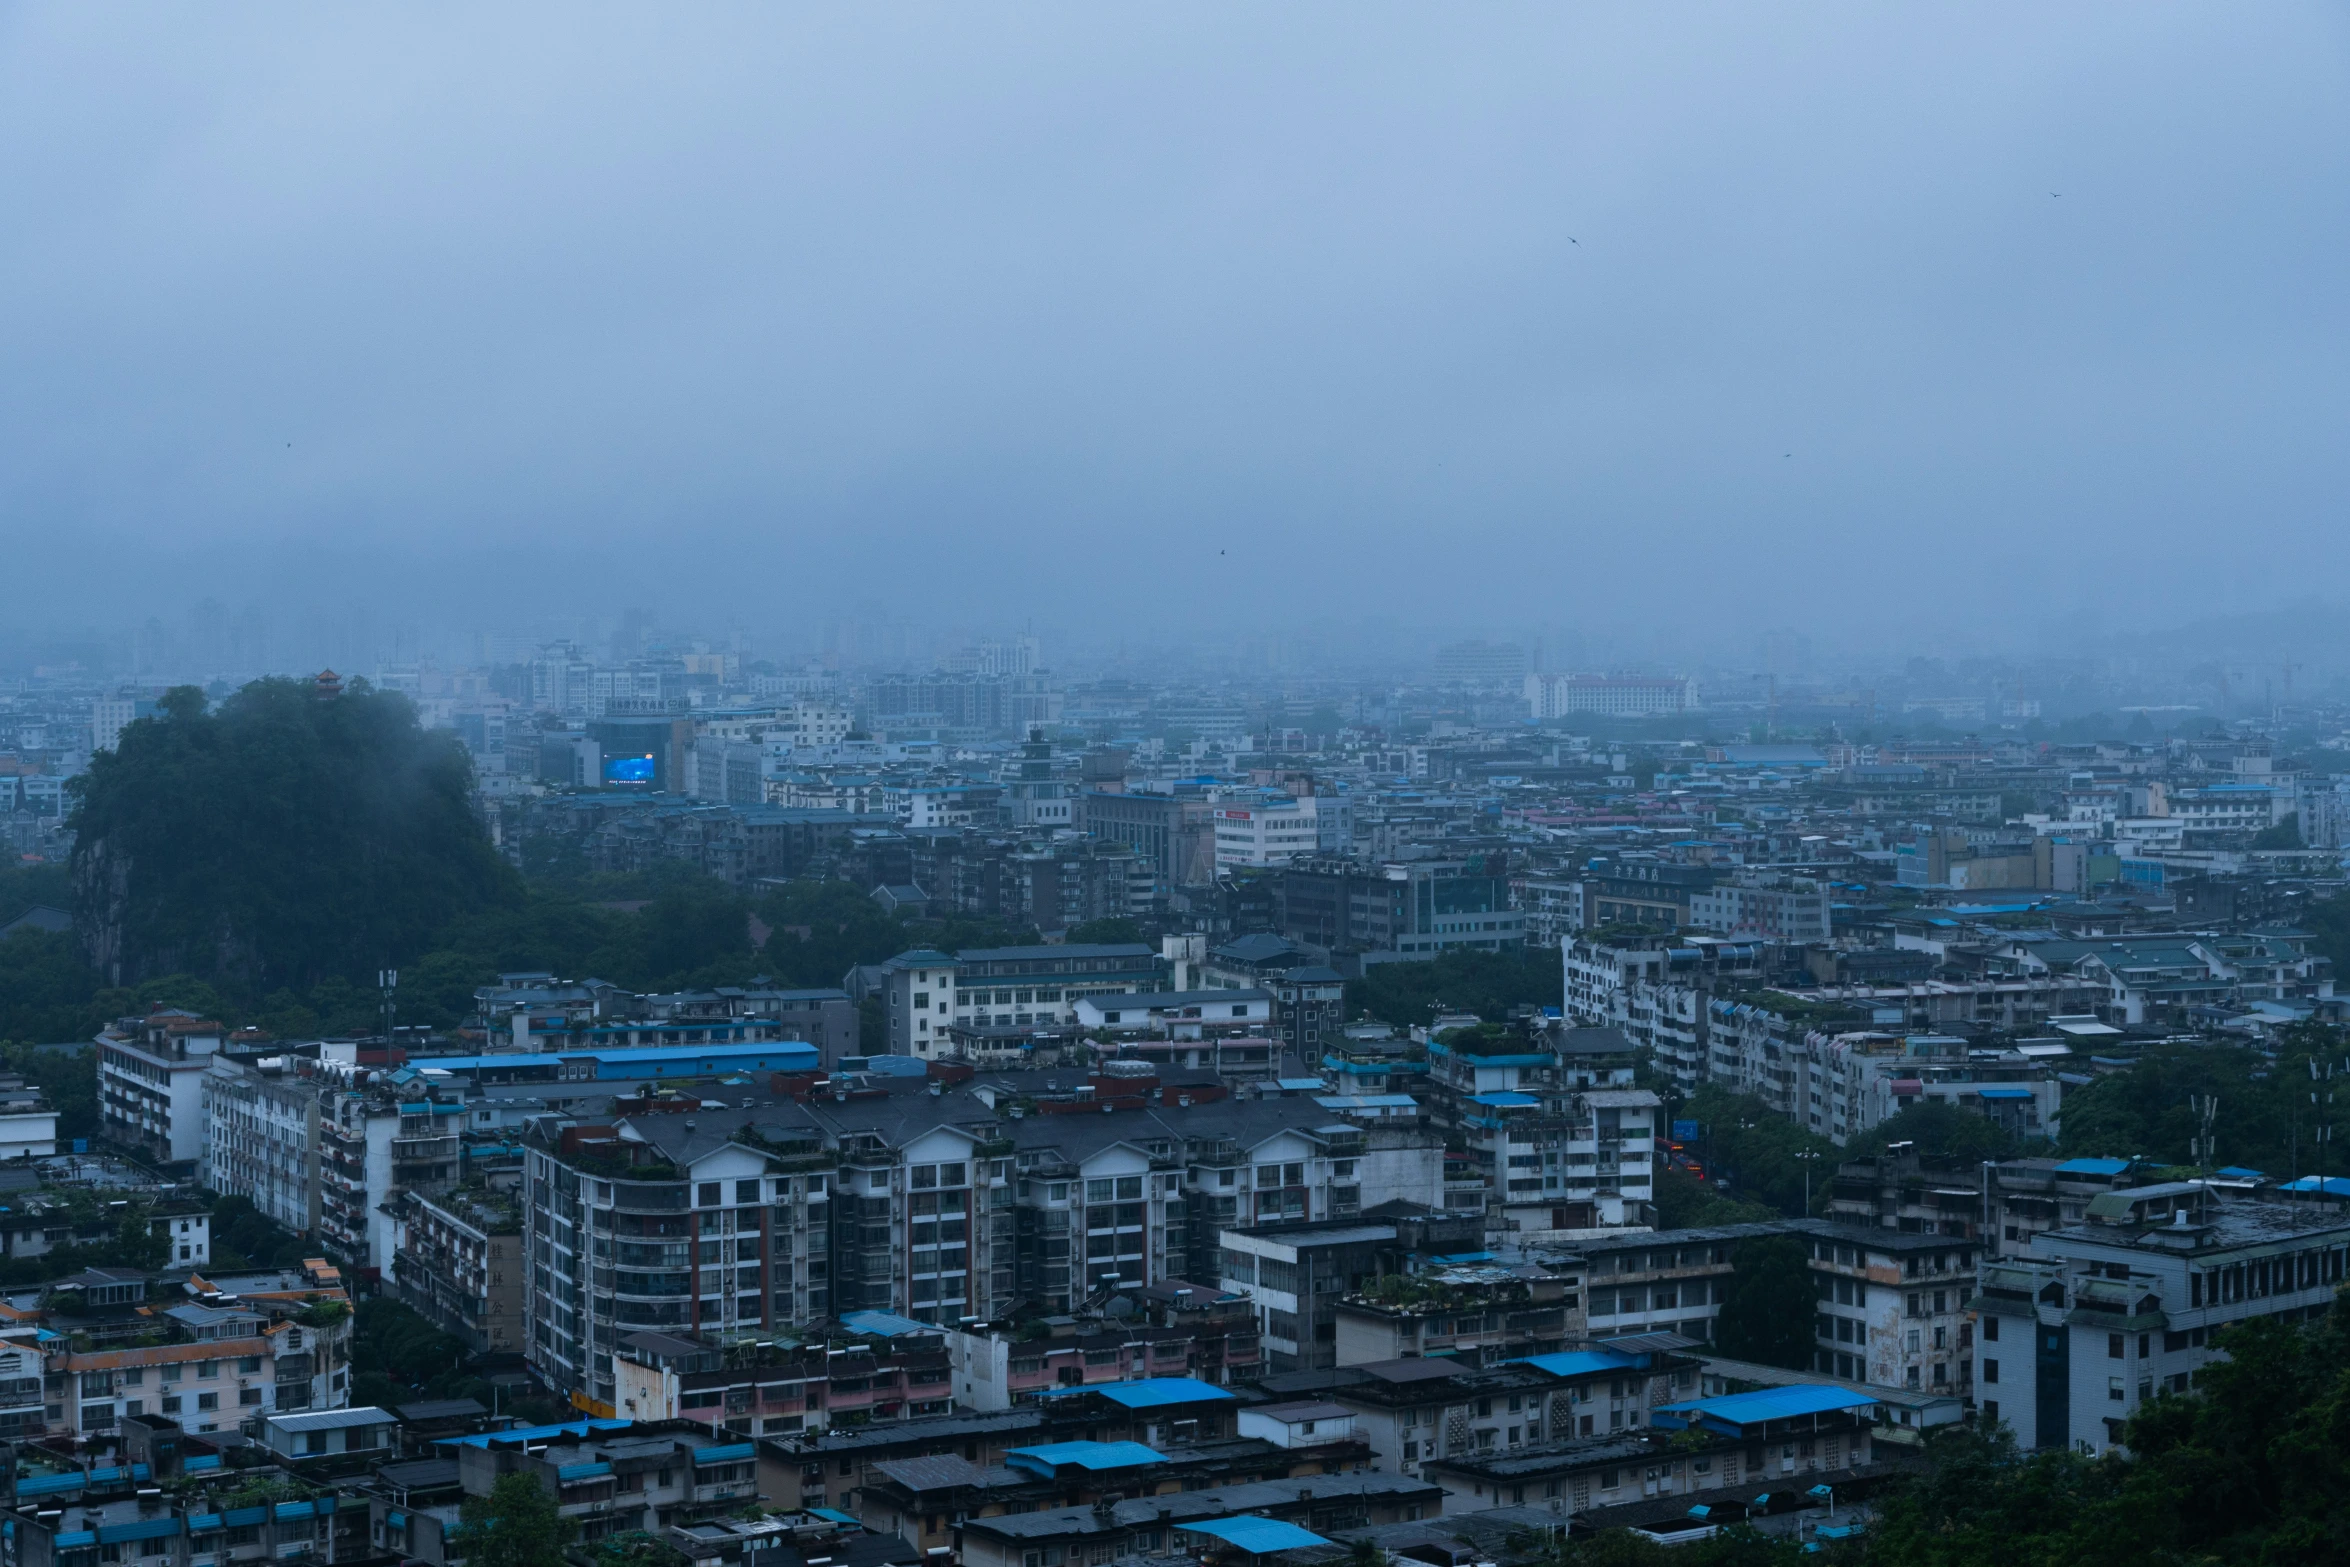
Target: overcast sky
[{"x": 1883, "y": 320}]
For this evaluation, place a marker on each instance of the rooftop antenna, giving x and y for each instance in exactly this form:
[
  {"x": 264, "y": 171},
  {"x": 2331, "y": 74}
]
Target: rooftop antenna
[{"x": 2205, "y": 1108}]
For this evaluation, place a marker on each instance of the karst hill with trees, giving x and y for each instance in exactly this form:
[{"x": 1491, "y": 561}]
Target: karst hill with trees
[{"x": 262, "y": 858}]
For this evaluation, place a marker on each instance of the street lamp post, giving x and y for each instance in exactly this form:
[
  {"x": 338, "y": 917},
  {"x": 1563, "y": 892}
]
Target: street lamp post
[{"x": 1807, "y": 1156}]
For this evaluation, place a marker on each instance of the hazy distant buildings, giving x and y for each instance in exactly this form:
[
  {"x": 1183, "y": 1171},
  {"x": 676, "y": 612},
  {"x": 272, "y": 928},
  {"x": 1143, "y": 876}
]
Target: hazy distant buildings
[
  {"x": 1609, "y": 696},
  {"x": 111, "y": 715},
  {"x": 1479, "y": 663}
]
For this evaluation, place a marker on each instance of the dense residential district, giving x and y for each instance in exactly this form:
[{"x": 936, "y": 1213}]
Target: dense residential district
[{"x": 1430, "y": 1126}]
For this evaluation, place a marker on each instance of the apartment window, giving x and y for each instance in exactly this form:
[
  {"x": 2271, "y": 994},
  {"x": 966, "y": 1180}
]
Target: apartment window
[
  {"x": 2113, "y": 1389},
  {"x": 2113, "y": 1347},
  {"x": 207, "y": 1401},
  {"x": 1990, "y": 1372},
  {"x": 248, "y": 1365},
  {"x": 1100, "y": 1191},
  {"x": 707, "y": 1197},
  {"x": 1129, "y": 1188},
  {"x": 1990, "y": 1330},
  {"x": 746, "y": 1191}
]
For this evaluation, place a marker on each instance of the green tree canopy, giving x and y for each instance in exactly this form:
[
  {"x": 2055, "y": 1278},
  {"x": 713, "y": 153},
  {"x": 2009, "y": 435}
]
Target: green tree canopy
[
  {"x": 516, "y": 1525},
  {"x": 1768, "y": 1308},
  {"x": 1939, "y": 1129},
  {"x": 2252, "y": 1469},
  {"x": 1755, "y": 1149},
  {"x": 1683, "y": 1202},
  {"x": 1489, "y": 984},
  {"x": 278, "y": 840}
]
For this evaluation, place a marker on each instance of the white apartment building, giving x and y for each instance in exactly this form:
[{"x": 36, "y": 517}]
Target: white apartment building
[
  {"x": 1553, "y": 906},
  {"x": 1269, "y": 831},
  {"x": 2075, "y": 1337},
  {"x": 1789, "y": 909},
  {"x": 926, "y": 993},
  {"x": 261, "y": 1139},
  {"x": 232, "y": 1366},
  {"x": 1619, "y": 696},
  {"x": 28, "y": 1126},
  {"x": 111, "y": 715},
  {"x": 151, "y": 1083}
]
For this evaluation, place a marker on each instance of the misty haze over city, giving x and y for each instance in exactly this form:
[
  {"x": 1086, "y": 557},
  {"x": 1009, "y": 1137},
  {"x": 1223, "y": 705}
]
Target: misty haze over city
[{"x": 1300, "y": 341}]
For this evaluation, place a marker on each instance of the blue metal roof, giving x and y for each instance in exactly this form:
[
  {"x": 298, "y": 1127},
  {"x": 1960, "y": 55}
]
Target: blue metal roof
[
  {"x": 1256, "y": 1535},
  {"x": 2003, "y": 1092},
  {"x": 1581, "y": 1362},
  {"x": 2093, "y": 1167},
  {"x": 1771, "y": 1403},
  {"x": 730, "y": 1453},
  {"x": 885, "y": 1324},
  {"x": 2335, "y": 1186},
  {"x": 536, "y": 1433},
  {"x": 778, "y": 1055},
  {"x": 1047, "y": 1457},
  {"x": 2236, "y": 1172},
  {"x": 1150, "y": 1392},
  {"x": 1505, "y": 1099}
]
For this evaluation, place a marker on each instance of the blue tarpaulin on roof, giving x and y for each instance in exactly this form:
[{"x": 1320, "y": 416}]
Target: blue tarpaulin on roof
[
  {"x": 1767, "y": 1404},
  {"x": 884, "y": 1324},
  {"x": 1256, "y": 1535},
  {"x": 2004, "y": 1093},
  {"x": 1505, "y": 1100},
  {"x": 535, "y": 1433},
  {"x": 2092, "y": 1166},
  {"x": 1047, "y": 1457},
  {"x": 1151, "y": 1392},
  {"x": 1581, "y": 1362}
]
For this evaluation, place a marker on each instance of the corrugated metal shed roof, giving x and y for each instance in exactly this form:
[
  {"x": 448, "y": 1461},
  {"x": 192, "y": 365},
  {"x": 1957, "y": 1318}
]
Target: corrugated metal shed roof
[
  {"x": 333, "y": 1419},
  {"x": 1256, "y": 1535},
  {"x": 1085, "y": 1455},
  {"x": 1773, "y": 1403},
  {"x": 1151, "y": 1392},
  {"x": 1581, "y": 1362}
]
